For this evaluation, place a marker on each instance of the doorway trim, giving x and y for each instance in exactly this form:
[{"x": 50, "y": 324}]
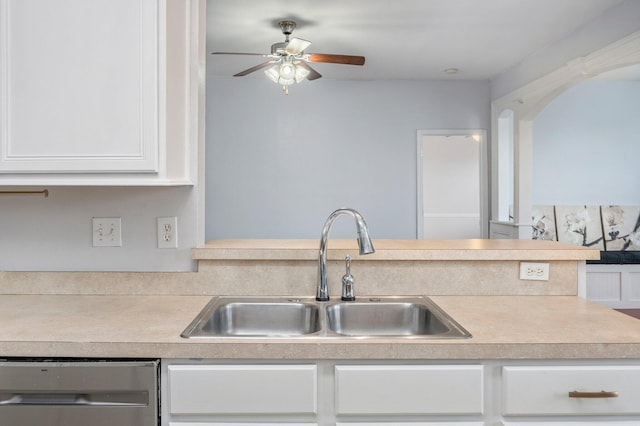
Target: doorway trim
[{"x": 484, "y": 186}]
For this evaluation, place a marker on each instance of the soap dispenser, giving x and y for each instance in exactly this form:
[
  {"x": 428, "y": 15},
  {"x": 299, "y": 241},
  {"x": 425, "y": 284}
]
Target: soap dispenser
[{"x": 348, "y": 294}]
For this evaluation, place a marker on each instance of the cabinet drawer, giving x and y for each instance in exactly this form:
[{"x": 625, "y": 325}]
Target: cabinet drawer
[
  {"x": 246, "y": 389},
  {"x": 545, "y": 390},
  {"x": 574, "y": 423},
  {"x": 414, "y": 424},
  {"x": 409, "y": 389},
  {"x": 239, "y": 424}
]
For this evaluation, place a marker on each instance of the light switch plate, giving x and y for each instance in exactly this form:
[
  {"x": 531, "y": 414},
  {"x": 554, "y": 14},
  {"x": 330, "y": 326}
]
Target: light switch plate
[{"x": 107, "y": 231}]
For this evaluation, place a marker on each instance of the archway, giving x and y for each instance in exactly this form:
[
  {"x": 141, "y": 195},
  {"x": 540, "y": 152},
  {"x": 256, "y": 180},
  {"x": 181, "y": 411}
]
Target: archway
[{"x": 526, "y": 102}]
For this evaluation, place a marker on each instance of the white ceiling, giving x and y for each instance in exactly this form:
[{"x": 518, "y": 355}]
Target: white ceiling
[{"x": 401, "y": 39}]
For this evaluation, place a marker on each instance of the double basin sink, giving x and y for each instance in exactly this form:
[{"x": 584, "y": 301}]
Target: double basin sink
[{"x": 293, "y": 317}]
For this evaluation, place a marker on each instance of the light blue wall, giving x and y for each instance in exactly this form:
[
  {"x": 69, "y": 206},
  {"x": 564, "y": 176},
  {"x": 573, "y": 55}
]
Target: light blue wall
[
  {"x": 277, "y": 165},
  {"x": 586, "y": 146}
]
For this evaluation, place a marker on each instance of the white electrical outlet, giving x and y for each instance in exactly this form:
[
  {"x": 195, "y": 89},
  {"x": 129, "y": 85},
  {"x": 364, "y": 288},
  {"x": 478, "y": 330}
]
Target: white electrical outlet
[
  {"x": 107, "y": 231},
  {"x": 534, "y": 271},
  {"x": 167, "y": 232}
]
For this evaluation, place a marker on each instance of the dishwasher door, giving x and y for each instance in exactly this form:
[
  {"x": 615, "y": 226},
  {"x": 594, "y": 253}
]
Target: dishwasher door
[{"x": 79, "y": 393}]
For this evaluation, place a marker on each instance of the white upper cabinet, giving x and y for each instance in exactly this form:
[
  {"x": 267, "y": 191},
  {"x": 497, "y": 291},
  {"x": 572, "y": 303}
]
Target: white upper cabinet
[{"x": 84, "y": 92}]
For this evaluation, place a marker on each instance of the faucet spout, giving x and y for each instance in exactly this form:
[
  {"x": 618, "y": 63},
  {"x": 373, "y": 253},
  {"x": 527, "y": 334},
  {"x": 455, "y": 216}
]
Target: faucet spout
[{"x": 364, "y": 244}]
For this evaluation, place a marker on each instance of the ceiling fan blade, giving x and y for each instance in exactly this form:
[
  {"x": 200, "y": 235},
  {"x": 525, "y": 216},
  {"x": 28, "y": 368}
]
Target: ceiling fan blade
[
  {"x": 335, "y": 59},
  {"x": 296, "y": 46},
  {"x": 313, "y": 74},
  {"x": 253, "y": 69}
]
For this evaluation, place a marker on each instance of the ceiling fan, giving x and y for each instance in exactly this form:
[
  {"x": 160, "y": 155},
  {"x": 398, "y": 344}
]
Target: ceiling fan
[{"x": 288, "y": 63}]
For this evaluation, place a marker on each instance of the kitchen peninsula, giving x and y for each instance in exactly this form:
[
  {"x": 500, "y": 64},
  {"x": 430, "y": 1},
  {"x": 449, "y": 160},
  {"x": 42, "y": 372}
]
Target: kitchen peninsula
[
  {"x": 123, "y": 314},
  {"x": 514, "y": 323}
]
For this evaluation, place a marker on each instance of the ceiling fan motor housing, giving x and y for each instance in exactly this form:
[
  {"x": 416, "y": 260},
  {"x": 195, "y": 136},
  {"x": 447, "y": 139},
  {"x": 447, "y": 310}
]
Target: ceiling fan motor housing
[
  {"x": 278, "y": 48},
  {"x": 287, "y": 27}
]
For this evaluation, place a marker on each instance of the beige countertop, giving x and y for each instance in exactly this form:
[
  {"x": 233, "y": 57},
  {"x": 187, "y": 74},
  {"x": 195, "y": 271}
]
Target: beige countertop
[
  {"x": 480, "y": 249},
  {"x": 92, "y": 314},
  {"x": 503, "y": 327}
]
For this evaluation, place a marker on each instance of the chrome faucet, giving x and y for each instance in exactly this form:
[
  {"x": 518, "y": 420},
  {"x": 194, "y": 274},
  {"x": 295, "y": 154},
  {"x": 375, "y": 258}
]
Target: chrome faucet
[{"x": 364, "y": 243}]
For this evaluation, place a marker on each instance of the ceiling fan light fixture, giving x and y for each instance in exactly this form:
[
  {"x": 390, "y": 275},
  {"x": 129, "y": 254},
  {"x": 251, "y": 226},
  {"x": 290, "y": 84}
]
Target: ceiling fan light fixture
[
  {"x": 286, "y": 81},
  {"x": 276, "y": 74},
  {"x": 273, "y": 73},
  {"x": 301, "y": 73},
  {"x": 287, "y": 70},
  {"x": 286, "y": 73}
]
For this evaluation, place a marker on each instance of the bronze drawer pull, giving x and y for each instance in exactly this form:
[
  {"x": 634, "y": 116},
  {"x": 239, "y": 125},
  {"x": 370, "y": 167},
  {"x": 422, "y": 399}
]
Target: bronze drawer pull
[{"x": 601, "y": 394}]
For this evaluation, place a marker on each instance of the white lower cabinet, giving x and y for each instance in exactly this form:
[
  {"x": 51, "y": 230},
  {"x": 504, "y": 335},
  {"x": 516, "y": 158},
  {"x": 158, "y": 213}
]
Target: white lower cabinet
[
  {"x": 237, "y": 424},
  {"x": 413, "y": 424},
  {"x": 616, "y": 286},
  {"x": 242, "y": 389},
  {"x": 327, "y": 424},
  {"x": 409, "y": 389},
  {"x": 396, "y": 393},
  {"x": 573, "y": 423},
  {"x": 571, "y": 395},
  {"x": 201, "y": 393},
  {"x": 567, "y": 390}
]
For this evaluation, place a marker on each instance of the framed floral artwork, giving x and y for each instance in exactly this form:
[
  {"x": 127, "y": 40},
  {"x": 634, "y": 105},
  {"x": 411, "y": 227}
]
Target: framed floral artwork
[
  {"x": 543, "y": 223},
  {"x": 580, "y": 225},
  {"x": 621, "y": 227}
]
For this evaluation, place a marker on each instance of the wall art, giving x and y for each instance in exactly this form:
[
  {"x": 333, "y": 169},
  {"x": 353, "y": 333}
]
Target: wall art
[
  {"x": 543, "y": 223},
  {"x": 580, "y": 225},
  {"x": 621, "y": 227}
]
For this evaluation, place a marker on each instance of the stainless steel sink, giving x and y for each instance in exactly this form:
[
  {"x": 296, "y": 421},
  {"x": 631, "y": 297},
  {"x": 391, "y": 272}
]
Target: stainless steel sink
[
  {"x": 257, "y": 317},
  {"x": 392, "y": 316}
]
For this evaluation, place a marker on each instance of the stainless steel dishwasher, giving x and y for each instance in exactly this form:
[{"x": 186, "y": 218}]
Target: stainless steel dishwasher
[{"x": 78, "y": 393}]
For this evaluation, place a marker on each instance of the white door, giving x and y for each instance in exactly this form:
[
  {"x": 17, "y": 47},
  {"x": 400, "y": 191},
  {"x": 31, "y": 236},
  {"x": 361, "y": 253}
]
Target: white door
[{"x": 450, "y": 185}]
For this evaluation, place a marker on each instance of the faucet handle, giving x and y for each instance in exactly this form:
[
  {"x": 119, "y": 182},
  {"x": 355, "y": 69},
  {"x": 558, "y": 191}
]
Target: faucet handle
[{"x": 348, "y": 294}]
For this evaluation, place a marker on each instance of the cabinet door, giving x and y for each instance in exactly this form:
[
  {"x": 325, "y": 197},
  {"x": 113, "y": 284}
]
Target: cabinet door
[
  {"x": 78, "y": 86},
  {"x": 242, "y": 389},
  {"x": 409, "y": 389},
  {"x": 545, "y": 390}
]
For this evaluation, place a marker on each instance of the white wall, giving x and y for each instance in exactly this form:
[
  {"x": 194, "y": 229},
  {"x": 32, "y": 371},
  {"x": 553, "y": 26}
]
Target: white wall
[
  {"x": 55, "y": 233},
  {"x": 611, "y": 26},
  {"x": 278, "y": 165},
  {"x": 586, "y": 146}
]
